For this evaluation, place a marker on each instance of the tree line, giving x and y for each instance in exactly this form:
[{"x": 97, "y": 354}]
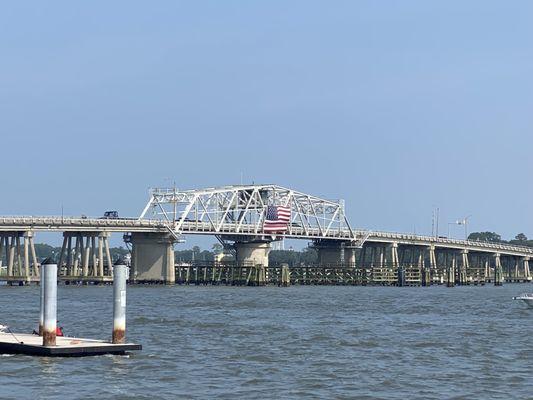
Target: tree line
[
  {"x": 520, "y": 239},
  {"x": 276, "y": 257},
  {"x": 307, "y": 256}
]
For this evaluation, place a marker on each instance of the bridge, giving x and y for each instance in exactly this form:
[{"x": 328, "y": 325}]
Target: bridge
[{"x": 236, "y": 216}]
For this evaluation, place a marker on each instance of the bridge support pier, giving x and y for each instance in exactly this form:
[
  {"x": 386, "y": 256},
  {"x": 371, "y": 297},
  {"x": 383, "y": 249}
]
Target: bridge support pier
[
  {"x": 464, "y": 267},
  {"x": 527, "y": 275},
  {"x": 427, "y": 277},
  {"x": 252, "y": 253},
  {"x": 334, "y": 253},
  {"x": 75, "y": 259},
  {"x": 20, "y": 255},
  {"x": 498, "y": 270},
  {"x": 152, "y": 258},
  {"x": 450, "y": 272}
]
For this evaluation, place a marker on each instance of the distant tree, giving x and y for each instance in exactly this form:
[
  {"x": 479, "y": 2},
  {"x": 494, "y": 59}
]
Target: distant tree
[
  {"x": 117, "y": 252},
  {"x": 521, "y": 237},
  {"x": 44, "y": 250},
  {"x": 485, "y": 237},
  {"x": 307, "y": 256},
  {"x": 217, "y": 248}
]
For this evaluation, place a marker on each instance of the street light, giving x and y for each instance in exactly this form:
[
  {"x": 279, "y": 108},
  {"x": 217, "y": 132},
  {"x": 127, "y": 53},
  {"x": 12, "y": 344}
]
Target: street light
[
  {"x": 464, "y": 222},
  {"x": 450, "y": 223}
]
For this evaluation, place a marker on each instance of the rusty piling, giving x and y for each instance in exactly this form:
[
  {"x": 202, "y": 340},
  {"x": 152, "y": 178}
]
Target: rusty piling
[
  {"x": 120, "y": 275},
  {"x": 49, "y": 283}
]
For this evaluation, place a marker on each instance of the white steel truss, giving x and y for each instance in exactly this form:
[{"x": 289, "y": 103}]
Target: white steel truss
[{"x": 241, "y": 210}]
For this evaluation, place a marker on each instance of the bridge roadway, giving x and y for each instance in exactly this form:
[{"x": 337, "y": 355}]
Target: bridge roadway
[
  {"x": 85, "y": 251},
  {"x": 131, "y": 225}
]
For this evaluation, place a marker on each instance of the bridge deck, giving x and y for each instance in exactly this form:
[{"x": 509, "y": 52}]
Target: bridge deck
[{"x": 69, "y": 224}]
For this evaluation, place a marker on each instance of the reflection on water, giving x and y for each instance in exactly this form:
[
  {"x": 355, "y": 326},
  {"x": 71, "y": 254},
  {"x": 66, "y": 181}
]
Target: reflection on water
[{"x": 297, "y": 342}]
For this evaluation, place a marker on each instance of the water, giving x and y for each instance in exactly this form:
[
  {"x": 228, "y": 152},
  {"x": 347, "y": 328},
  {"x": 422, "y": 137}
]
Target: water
[{"x": 270, "y": 343}]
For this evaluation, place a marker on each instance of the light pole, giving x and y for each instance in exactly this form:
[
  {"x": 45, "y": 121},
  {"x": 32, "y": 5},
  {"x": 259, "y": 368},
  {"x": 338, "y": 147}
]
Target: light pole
[
  {"x": 450, "y": 223},
  {"x": 464, "y": 222}
]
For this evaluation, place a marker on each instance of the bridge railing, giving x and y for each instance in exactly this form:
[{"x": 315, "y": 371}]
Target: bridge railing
[{"x": 451, "y": 241}]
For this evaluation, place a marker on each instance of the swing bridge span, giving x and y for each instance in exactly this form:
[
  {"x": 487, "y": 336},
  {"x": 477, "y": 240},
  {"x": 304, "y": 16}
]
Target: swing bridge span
[{"x": 235, "y": 215}]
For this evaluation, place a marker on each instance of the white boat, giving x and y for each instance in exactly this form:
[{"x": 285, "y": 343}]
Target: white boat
[{"x": 526, "y": 298}]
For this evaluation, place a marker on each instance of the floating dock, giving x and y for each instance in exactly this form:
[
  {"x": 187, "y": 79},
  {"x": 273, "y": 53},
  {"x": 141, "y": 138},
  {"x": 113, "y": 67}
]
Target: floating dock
[{"x": 23, "y": 343}]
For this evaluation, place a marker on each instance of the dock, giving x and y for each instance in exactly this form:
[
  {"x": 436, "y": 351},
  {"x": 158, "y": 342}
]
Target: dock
[
  {"x": 23, "y": 343},
  {"x": 49, "y": 340}
]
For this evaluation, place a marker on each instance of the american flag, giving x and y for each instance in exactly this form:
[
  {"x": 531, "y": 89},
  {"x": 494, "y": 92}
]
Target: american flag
[{"x": 277, "y": 218}]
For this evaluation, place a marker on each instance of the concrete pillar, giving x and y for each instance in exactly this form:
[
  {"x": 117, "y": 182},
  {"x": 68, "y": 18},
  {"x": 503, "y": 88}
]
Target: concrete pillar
[
  {"x": 77, "y": 251},
  {"x": 527, "y": 275},
  {"x": 450, "y": 272},
  {"x": 86, "y": 254},
  {"x": 27, "y": 256},
  {"x": 11, "y": 256},
  {"x": 285, "y": 275},
  {"x": 33, "y": 256},
  {"x": 350, "y": 256},
  {"x": 62, "y": 252},
  {"x": 1, "y": 249},
  {"x": 252, "y": 253},
  {"x": 69, "y": 255},
  {"x": 464, "y": 267},
  {"x": 498, "y": 271},
  {"x": 120, "y": 276},
  {"x": 328, "y": 255},
  {"x": 152, "y": 258},
  {"x": 49, "y": 283},
  {"x": 101, "y": 254},
  {"x": 425, "y": 270},
  {"x": 395, "y": 260}
]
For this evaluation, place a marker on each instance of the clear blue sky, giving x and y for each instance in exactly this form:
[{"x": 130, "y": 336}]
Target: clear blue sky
[{"x": 395, "y": 106}]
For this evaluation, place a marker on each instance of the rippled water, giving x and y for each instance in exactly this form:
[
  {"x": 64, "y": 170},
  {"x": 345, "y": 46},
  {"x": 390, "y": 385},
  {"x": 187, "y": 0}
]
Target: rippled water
[{"x": 297, "y": 342}]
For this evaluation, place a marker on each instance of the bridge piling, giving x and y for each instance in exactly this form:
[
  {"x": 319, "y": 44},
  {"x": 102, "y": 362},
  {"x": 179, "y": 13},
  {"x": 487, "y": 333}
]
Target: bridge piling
[
  {"x": 152, "y": 257},
  {"x": 252, "y": 253}
]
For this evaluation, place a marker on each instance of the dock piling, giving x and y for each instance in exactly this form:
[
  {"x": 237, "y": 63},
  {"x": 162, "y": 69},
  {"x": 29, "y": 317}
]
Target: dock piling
[
  {"x": 49, "y": 282},
  {"x": 120, "y": 275}
]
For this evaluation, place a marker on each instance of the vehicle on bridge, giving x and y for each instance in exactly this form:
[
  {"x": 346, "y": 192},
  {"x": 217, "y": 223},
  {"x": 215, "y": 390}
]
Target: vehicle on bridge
[{"x": 110, "y": 215}]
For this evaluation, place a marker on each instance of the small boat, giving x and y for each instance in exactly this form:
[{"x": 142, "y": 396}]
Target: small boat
[{"x": 526, "y": 298}]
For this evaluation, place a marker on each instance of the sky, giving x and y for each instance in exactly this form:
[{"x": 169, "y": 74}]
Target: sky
[{"x": 397, "y": 107}]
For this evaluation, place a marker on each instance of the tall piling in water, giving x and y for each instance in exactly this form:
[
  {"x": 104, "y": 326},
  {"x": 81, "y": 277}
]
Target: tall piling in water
[
  {"x": 49, "y": 288},
  {"x": 41, "y": 304},
  {"x": 120, "y": 275},
  {"x": 285, "y": 275}
]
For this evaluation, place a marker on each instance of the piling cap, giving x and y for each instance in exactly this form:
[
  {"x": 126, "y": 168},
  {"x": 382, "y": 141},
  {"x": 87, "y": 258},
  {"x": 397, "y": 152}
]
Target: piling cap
[
  {"x": 48, "y": 261},
  {"x": 119, "y": 261}
]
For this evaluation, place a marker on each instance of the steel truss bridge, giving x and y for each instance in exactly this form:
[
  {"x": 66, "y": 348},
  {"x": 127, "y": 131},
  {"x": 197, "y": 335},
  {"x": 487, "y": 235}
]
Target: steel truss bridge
[{"x": 235, "y": 215}]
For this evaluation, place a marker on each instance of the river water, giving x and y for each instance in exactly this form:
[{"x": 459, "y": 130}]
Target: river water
[{"x": 301, "y": 342}]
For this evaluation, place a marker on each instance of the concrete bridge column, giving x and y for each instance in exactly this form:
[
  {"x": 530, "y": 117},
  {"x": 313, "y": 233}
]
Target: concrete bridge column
[
  {"x": 252, "y": 253},
  {"x": 19, "y": 251},
  {"x": 464, "y": 267},
  {"x": 424, "y": 269},
  {"x": 329, "y": 254},
  {"x": 352, "y": 257},
  {"x": 432, "y": 262},
  {"x": 450, "y": 272},
  {"x": 395, "y": 261},
  {"x": 525, "y": 261},
  {"x": 152, "y": 257},
  {"x": 487, "y": 267},
  {"x": 498, "y": 270}
]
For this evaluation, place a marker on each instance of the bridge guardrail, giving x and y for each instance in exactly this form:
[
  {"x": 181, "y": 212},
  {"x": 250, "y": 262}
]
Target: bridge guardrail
[{"x": 230, "y": 228}]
